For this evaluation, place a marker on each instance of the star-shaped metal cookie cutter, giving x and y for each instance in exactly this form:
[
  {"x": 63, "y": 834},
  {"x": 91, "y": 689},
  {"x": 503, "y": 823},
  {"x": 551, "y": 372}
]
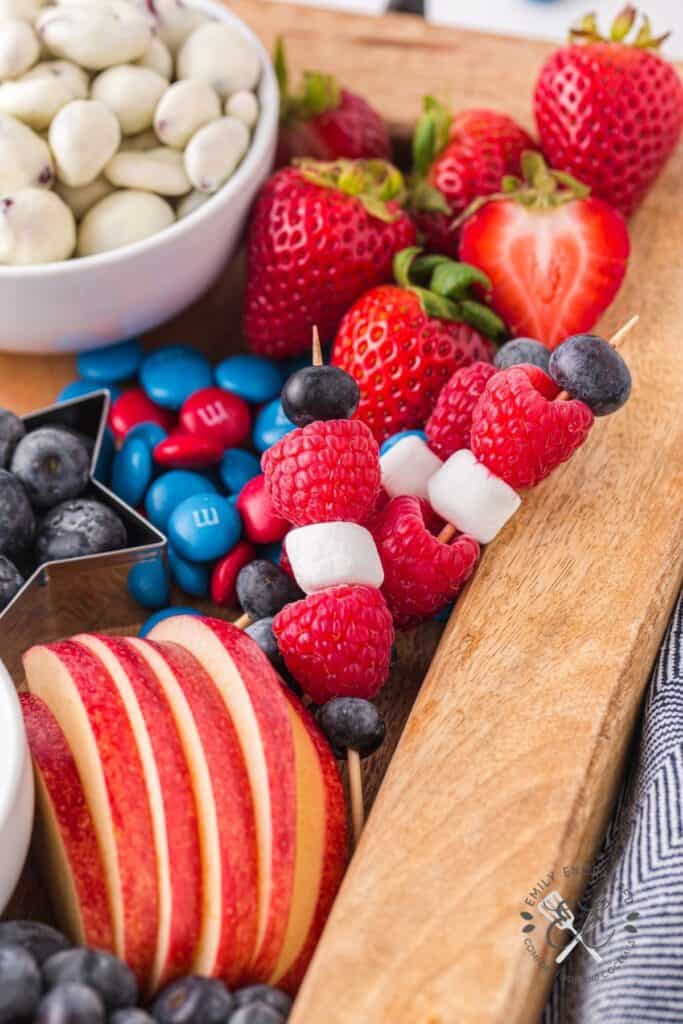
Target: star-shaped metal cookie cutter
[{"x": 88, "y": 594}]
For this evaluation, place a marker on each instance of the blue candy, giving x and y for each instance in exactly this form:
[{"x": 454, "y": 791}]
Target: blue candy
[
  {"x": 114, "y": 362},
  {"x": 204, "y": 527},
  {"x": 132, "y": 470},
  {"x": 271, "y": 425},
  {"x": 151, "y": 433},
  {"x": 250, "y": 377},
  {"x": 191, "y": 577},
  {"x": 165, "y": 613},
  {"x": 237, "y": 468},
  {"x": 81, "y": 388},
  {"x": 395, "y": 438},
  {"x": 172, "y": 374},
  {"x": 148, "y": 583},
  {"x": 169, "y": 490}
]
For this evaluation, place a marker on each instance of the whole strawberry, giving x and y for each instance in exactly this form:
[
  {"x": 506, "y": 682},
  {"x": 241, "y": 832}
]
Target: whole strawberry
[
  {"x": 457, "y": 160},
  {"x": 402, "y": 342},
  {"x": 520, "y": 433},
  {"x": 321, "y": 234},
  {"x": 610, "y": 112},
  {"x": 555, "y": 255},
  {"x": 324, "y": 121}
]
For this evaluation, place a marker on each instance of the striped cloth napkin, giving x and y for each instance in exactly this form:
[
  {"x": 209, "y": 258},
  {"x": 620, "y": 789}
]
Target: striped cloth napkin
[{"x": 634, "y": 904}]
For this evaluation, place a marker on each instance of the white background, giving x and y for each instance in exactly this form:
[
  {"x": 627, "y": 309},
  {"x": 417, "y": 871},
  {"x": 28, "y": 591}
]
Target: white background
[{"x": 548, "y": 20}]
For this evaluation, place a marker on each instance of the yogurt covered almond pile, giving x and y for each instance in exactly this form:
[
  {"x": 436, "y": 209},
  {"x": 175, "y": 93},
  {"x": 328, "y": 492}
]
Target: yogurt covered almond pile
[{"x": 115, "y": 120}]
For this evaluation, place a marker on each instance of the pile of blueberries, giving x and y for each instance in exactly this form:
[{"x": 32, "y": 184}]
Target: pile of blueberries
[
  {"x": 45, "y": 980},
  {"x": 44, "y": 511}
]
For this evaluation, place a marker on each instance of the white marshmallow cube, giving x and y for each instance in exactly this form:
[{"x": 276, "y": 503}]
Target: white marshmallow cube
[
  {"x": 326, "y": 555},
  {"x": 467, "y": 495},
  {"x": 408, "y": 466}
]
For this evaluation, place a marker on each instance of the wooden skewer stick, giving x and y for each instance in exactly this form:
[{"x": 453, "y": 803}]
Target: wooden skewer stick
[
  {"x": 447, "y": 534},
  {"x": 356, "y": 793},
  {"x": 243, "y": 621},
  {"x": 317, "y": 348}
]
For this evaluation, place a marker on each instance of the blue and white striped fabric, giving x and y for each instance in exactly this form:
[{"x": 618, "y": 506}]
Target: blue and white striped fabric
[{"x": 639, "y": 873}]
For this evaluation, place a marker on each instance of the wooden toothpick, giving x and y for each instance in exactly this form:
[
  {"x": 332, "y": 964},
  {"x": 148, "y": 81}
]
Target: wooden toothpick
[
  {"x": 356, "y": 794},
  {"x": 243, "y": 621},
  {"x": 317, "y": 348}
]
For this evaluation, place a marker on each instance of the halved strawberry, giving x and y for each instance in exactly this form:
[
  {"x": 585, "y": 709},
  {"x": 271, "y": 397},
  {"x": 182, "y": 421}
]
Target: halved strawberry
[{"x": 555, "y": 256}]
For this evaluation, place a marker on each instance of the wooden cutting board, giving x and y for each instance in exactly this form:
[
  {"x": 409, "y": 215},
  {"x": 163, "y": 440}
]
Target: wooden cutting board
[{"x": 511, "y": 758}]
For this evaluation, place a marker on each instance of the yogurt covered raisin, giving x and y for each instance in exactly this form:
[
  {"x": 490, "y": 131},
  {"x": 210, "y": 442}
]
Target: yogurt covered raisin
[
  {"x": 95, "y": 36},
  {"x": 158, "y": 170},
  {"x": 220, "y": 55},
  {"x": 244, "y": 106},
  {"x": 132, "y": 93},
  {"x": 35, "y": 101},
  {"x": 84, "y": 136},
  {"x": 25, "y": 160},
  {"x": 157, "y": 57},
  {"x": 121, "y": 219},
  {"x": 214, "y": 152},
  {"x": 19, "y": 48},
  {"x": 64, "y": 71},
  {"x": 184, "y": 108},
  {"x": 35, "y": 227}
]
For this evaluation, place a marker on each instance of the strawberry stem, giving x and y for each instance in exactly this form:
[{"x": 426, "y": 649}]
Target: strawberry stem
[
  {"x": 430, "y": 139},
  {"x": 443, "y": 287},
  {"x": 586, "y": 31},
  {"x": 375, "y": 183},
  {"x": 318, "y": 93}
]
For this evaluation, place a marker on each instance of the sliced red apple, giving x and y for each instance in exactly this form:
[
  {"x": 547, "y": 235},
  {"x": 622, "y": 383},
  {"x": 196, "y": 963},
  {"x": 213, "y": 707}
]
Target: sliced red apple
[
  {"x": 252, "y": 693},
  {"x": 82, "y": 697},
  {"x": 171, "y": 800},
  {"x": 321, "y": 847},
  {"x": 225, "y": 811},
  {"x": 67, "y": 843}
]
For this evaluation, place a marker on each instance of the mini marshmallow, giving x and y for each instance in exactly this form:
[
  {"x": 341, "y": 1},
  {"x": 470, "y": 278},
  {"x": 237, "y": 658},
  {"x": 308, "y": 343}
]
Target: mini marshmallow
[
  {"x": 329, "y": 554},
  {"x": 35, "y": 101},
  {"x": 408, "y": 466},
  {"x": 84, "y": 136},
  {"x": 25, "y": 160},
  {"x": 96, "y": 36},
  {"x": 157, "y": 57},
  {"x": 121, "y": 219},
  {"x": 244, "y": 106},
  {"x": 214, "y": 152},
  {"x": 19, "y": 48},
  {"x": 220, "y": 55},
  {"x": 190, "y": 203},
  {"x": 35, "y": 227},
  {"x": 467, "y": 495},
  {"x": 132, "y": 93},
  {"x": 80, "y": 200},
  {"x": 63, "y": 71},
  {"x": 158, "y": 170},
  {"x": 184, "y": 108}
]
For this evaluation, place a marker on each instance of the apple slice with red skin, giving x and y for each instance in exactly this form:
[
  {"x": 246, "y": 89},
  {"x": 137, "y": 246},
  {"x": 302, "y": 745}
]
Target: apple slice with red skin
[
  {"x": 322, "y": 846},
  {"x": 171, "y": 801},
  {"x": 225, "y": 811},
  {"x": 67, "y": 844},
  {"x": 253, "y": 694},
  {"x": 83, "y": 698}
]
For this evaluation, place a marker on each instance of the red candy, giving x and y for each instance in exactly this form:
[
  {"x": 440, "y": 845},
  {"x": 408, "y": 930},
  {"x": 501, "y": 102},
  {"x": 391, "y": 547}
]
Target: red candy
[
  {"x": 226, "y": 571},
  {"x": 217, "y": 414},
  {"x": 133, "y": 407},
  {"x": 188, "y": 451},
  {"x": 261, "y": 523}
]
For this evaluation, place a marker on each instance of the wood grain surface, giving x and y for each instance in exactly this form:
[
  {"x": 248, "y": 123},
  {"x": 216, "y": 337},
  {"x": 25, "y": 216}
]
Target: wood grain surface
[{"x": 512, "y": 756}]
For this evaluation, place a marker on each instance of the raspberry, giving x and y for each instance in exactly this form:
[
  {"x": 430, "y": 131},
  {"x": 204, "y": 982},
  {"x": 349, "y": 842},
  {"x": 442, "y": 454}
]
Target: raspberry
[
  {"x": 521, "y": 436},
  {"x": 323, "y": 473},
  {"x": 421, "y": 574},
  {"x": 337, "y": 643},
  {"x": 448, "y": 428}
]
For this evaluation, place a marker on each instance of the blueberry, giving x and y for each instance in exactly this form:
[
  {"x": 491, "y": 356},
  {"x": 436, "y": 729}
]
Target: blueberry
[
  {"x": 40, "y": 940},
  {"x": 193, "y": 1000},
  {"x": 70, "y": 1003},
  {"x": 113, "y": 981},
  {"x": 77, "y": 528},
  {"x": 134, "y": 1015},
  {"x": 11, "y": 432},
  {"x": 320, "y": 393},
  {"x": 19, "y": 984},
  {"x": 53, "y": 464},
  {"x": 349, "y": 722},
  {"x": 591, "y": 370},
  {"x": 263, "y": 589},
  {"x": 17, "y": 522},
  {"x": 11, "y": 581},
  {"x": 256, "y": 1013},
  {"x": 131, "y": 1016},
  {"x": 522, "y": 350},
  {"x": 261, "y": 631},
  {"x": 266, "y": 995}
]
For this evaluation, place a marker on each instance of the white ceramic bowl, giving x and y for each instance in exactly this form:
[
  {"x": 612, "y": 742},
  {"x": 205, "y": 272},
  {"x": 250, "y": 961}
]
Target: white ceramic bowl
[
  {"x": 82, "y": 303},
  {"x": 16, "y": 789}
]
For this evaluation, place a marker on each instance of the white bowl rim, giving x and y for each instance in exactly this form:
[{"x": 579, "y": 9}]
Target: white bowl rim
[
  {"x": 269, "y": 114},
  {"x": 13, "y": 741}
]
